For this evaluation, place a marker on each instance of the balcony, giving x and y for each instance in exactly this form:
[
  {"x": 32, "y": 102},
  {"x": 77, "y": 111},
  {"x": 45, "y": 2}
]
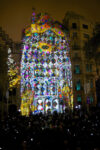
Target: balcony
[
  {"x": 77, "y": 73},
  {"x": 76, "y": 47},
  {"x": 77, "y": 59}
]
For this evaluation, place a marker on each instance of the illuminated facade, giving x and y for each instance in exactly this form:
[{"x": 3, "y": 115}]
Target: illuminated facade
[{"x": 46, "y": 78}]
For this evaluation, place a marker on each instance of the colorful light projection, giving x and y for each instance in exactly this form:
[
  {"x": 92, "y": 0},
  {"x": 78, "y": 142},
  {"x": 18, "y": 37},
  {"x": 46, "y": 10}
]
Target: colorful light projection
[
  {"x": 13, "y": 72},
  {"x": 46, "y": 77}
]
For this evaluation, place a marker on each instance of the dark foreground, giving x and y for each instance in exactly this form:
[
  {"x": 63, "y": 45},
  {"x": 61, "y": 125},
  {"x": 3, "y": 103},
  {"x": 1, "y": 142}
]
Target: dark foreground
[{"x": 68, "y": 131}]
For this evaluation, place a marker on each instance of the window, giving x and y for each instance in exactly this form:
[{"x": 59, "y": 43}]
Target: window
[
  {"x": 76, "y": 46},
  {"x": 74, "y": 35},
  {"x": 76, "y": 54},
  {"x": 86, "y": 36},
  {"x": 77, "y": 69},
  {"x": 74, "y": 25},
  {"x": 91, "y": 99},
  {"x": 85, "y": 26},
  {"x": 78, "y": 85},
  {"x": 88, "y": 67},
  {"x": 88, "y": 100},
  {"x": 91, "y": 83},
  {"x": 85, "y": 43},
  {"x": 79, "y": 98}
]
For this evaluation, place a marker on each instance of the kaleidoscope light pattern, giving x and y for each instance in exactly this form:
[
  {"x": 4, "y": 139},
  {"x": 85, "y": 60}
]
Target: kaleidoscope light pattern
[{"x": 46, "y": 78}]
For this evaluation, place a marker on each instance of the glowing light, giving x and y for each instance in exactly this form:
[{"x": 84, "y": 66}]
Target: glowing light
[
  {"x": 13, "y": 72},
  {"x": 45, "y": 68}
]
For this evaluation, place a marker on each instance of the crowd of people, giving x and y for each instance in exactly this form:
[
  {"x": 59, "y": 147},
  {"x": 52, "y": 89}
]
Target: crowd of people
[{"x": 76, "y": 130}]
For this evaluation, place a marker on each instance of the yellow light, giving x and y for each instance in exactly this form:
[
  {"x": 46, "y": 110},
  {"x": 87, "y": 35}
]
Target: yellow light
[
  {"x": 49, "y": 49},
  {"x": 36, "y": 28}
]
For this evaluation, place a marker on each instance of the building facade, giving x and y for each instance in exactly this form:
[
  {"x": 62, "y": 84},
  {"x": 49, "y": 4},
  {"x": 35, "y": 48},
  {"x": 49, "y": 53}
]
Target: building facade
[
  {"x": 5, "y": 44},
  {"x": 9, "y": 62},
  {"x": 83, "y": 69},
  {"x": 46, "y": 77}
]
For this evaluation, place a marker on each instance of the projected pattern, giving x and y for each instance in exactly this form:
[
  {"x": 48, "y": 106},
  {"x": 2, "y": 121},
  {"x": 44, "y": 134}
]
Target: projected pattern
[{"x": 46, "y": 78}]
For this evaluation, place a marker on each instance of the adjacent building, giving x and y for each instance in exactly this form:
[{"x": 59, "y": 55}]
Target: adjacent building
[
  {"x": 5, "y": 43},
  {"x": 9, "y": 59},
  {"x": 83, "y": 69}
]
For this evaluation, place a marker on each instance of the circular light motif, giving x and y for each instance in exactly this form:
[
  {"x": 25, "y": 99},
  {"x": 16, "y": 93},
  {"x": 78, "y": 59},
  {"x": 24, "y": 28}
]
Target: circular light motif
[{"x": 45, "y": 47}]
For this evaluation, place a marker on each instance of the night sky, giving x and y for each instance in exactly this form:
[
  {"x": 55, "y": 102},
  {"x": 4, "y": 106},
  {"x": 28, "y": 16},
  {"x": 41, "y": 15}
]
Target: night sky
[{"x": 16, "y": 14}]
